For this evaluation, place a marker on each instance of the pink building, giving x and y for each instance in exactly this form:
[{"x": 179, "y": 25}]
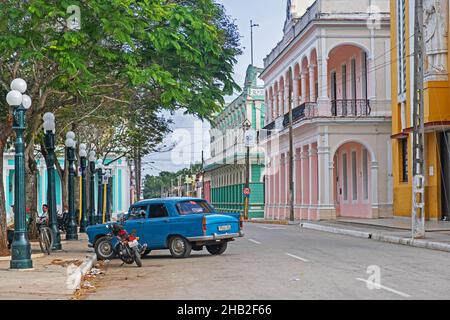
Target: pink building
[{"x": 335, "y": 59}]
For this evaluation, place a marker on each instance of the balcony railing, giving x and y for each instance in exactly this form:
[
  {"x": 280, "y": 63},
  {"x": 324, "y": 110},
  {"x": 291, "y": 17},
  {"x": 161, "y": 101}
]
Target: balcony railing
[
  {"x": 305, "y": 110},
  {"x": 350, "y": 108}
]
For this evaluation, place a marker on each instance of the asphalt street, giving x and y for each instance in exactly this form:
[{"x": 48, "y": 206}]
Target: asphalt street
[{"x": 285, "y": 262}]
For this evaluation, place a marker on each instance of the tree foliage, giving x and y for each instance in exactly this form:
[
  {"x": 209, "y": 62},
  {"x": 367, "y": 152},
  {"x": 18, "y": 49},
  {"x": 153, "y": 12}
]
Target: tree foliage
[{"x": 109, "y": 79}]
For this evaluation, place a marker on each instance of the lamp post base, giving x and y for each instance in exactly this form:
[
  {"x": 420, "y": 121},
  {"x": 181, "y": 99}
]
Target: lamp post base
[
  {"x": 71, "y": 236},
  {"x": 21, "y": 252}
]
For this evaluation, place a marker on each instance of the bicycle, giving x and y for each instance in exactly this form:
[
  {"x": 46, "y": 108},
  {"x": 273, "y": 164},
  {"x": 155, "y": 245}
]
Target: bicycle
[{"x": 45, "y": 236}]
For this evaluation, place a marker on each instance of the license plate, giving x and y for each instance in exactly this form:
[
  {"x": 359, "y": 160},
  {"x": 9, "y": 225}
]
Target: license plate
[
  {"x": 225, "y": 228},
  {"x": 133, "y": 244}
]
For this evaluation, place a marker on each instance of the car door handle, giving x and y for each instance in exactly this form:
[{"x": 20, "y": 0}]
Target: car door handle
[{"x": 167, "y": 221}]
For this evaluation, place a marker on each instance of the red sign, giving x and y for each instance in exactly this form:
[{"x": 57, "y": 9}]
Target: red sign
[{"x": 247, "y": 191}]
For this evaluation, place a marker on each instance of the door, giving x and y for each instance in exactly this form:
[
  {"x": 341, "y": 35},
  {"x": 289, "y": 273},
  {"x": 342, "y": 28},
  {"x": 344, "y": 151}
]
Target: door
[
  {"x": 157, "y": 226},
  {"x": 337, "y": 189},
  {"x": 135, "y": 221},
  {"x": 445, "y": 176},
  {"x": 333, "y": 93}
]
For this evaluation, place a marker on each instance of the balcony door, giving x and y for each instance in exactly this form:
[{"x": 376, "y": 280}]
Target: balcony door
[{"x": 333, "y": 92}]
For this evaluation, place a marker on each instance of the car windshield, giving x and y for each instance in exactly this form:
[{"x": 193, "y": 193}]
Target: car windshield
[{"x": 193, "y": 207}]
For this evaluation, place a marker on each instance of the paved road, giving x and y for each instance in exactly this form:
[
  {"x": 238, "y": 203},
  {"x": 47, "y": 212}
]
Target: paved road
[{"x": 285, "y": 262}]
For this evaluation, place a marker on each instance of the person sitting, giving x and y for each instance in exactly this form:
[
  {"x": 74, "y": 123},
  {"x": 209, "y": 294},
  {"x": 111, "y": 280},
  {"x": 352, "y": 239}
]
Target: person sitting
[{"x": 44, "y": 217}]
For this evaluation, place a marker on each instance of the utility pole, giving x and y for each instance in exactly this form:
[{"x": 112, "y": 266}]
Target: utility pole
[
  {"x": 252, "y": 25},
  {"x": 418, "y": 196},
  {"x": 291, "y": 151},
  {"x": 246, "y": 127}
]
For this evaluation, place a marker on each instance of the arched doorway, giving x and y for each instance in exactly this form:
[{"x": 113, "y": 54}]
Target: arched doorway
[{"x": 352, "y": 176}]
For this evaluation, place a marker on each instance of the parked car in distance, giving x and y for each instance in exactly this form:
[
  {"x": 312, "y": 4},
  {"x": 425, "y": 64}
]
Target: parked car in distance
[{"x": 178, "y": 224}]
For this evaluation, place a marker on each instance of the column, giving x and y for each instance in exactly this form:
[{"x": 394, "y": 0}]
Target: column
[
  {"x": 280, "y": 103},
  {"x": 303, "y": 87},
  {"x": 313, "y": 166},
  {"x": 325, "y": 180},
  {"x": 374, "y": 185},
  {"x": 296, "y": 93},
  {"x": 276, "y": 190},
  {"x": 305, "y": 183},
  {"x": 298, "y": 183},
  {"x": 283, "y": 191},
  {"x": 270, "y": 112},
  {"x": 286, "y": 98},
  {"x": 312, "y": 83}
]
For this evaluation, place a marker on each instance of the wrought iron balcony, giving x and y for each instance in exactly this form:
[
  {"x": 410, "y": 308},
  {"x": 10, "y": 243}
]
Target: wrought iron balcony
[
  {"x": 305, "y": 110},
  {"x": 350, "y": 108}
]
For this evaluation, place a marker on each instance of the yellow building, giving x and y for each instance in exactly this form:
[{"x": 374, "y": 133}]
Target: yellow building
[{"x": 437, "y": 106}]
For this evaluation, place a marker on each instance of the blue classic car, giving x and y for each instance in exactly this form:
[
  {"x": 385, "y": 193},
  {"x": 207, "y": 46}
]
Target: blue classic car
[{"x": 177, "y": 224}]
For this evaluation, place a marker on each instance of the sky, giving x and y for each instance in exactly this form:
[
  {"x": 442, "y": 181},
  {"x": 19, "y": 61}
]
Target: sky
[{"x": 191, "y": 134}]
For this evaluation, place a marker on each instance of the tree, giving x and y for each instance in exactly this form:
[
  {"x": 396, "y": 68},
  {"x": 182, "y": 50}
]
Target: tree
[{"x": 170, "y": 54}]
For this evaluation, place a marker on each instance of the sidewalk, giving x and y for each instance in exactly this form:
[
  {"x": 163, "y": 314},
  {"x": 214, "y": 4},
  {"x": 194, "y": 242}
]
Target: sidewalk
[
  {"x": 53, "y": 277},
  {"x": 394, "y": 230}
]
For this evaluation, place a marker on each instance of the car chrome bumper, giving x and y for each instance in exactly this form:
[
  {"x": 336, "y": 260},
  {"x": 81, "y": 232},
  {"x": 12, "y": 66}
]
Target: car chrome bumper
[{"x": 216, "y": 236}]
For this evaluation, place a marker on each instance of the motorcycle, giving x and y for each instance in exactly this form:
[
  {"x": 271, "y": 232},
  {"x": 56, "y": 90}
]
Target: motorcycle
[{"x": 128, "y": 247}]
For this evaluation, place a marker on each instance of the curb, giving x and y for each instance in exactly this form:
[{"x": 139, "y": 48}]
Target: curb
[
  {"x": 277, "y": 222},
  {"x": 353, "y": 233},
  {"x": 440, "y": 246},
  {"x": 85, "y": 267}
]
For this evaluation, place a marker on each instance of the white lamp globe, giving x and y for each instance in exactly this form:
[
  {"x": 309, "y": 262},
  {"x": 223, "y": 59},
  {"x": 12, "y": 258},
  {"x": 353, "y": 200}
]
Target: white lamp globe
[
  {"x": 19, "y": 85},
  {"x": 49, "y": 126},
  {"x": 14, "y": 98},
  {"x": 70, "y": 135},
  {"x": 70, "y": 143},
  {"x": 83, "y": 153},
  {"x": 83, "y": 146},
  {"x": 49, "y": 117},
  {"x": 26, "y": 101},
  {"x": 92, "y": 156}
]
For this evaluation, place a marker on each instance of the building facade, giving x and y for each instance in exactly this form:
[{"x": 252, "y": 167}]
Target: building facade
[
  {"x": 335, "y": 60},
  {"x": 436, "y": 106},
  {"x": 224, "y": 172},
  {"x": 120, "y": 181}
]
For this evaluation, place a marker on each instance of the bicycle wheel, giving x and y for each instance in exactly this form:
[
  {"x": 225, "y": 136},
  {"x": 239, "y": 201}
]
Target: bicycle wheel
[{"x": 47, "y": 240}]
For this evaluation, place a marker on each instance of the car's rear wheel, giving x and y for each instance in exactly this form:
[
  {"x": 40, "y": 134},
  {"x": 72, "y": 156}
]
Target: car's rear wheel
[
  {"x": 104, "y": 249},
  {"x": 217, "y": 249},
  {"x": 179, "y": 247}
]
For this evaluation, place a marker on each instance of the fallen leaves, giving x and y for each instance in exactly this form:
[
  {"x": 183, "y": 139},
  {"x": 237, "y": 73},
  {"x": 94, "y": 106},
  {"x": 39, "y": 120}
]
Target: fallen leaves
[{"x": 66, "y": 263}]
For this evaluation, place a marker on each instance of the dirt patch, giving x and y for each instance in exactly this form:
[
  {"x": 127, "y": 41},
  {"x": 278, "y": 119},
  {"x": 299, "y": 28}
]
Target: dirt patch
[{"x": 66, "y": 263}]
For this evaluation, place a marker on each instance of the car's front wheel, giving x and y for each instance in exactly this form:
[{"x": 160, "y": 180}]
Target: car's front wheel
[
  {"x": 217, "y": 249},
  {"x": 179, "y": 247},
  {"x": 146, "y": 253},
  {"x": 104, "y": 249}
]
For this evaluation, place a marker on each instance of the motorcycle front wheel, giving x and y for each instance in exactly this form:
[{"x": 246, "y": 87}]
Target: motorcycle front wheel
[
  {"x": 126, "y": 255},
  {"x": 137, "y": 257}
]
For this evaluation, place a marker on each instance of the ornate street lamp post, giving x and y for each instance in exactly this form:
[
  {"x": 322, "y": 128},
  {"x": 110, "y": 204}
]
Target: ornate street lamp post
[
  {"x": 21, "y": 248},
  {"x": 100, "y": 191},
  {"x": 83, "y": 206},
  {"x": 108, "y": 194},
  {"x": 49, "y": 128},
  {"x": 70, "y": 143},
  {"x": 92, "y": 160}
]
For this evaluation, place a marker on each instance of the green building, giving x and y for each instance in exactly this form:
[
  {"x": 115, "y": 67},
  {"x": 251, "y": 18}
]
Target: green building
[{"x": 224, "y": 172}]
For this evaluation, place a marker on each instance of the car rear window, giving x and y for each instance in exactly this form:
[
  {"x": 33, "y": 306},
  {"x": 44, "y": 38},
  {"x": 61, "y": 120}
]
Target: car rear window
[{"x": 193, "y": 207}]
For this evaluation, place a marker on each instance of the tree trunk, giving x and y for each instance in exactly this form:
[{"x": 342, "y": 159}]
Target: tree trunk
[
  {"x": 3, "y": 236},
  {"x": 31, "y": 186},
  {"x": 64, "y": 177}
]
